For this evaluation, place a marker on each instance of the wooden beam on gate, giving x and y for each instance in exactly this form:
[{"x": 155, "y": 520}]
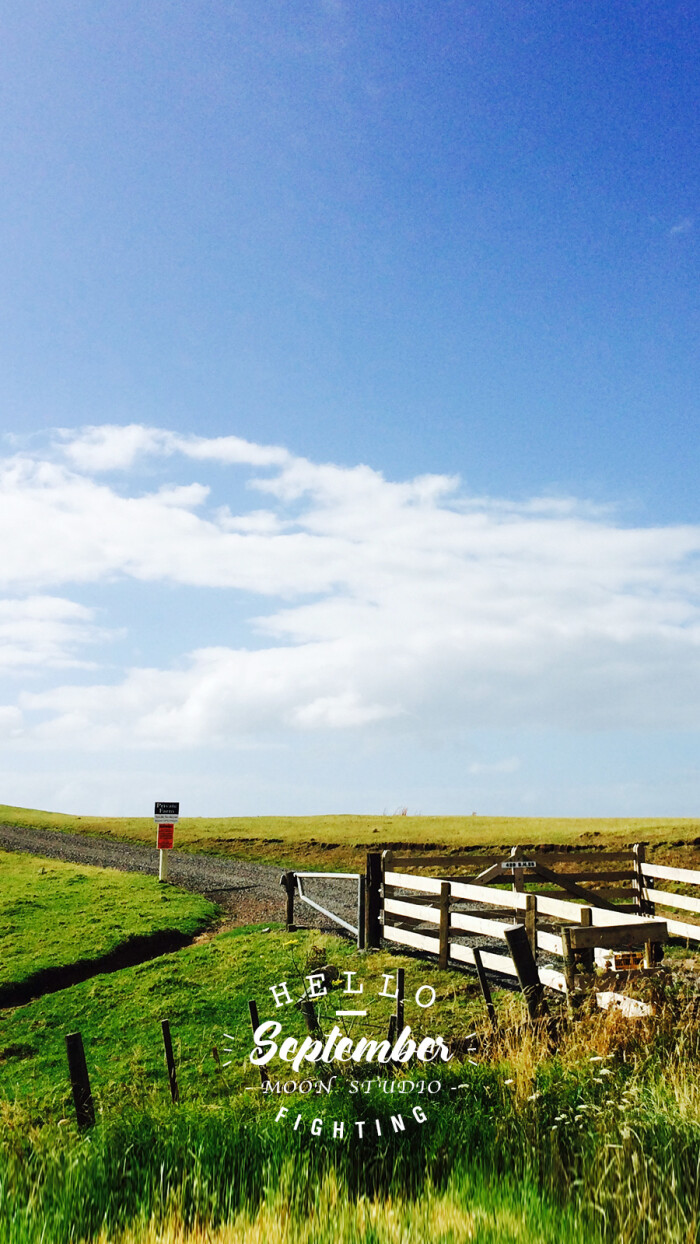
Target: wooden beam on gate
[
  {"x": 560, "y": 879},
  {"x": 619, "y": 936},
  {"x": 495, "y": 872}
]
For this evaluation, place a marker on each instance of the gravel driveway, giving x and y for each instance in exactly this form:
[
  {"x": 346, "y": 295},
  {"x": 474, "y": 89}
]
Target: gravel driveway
[{"x": 248, "y": 893}]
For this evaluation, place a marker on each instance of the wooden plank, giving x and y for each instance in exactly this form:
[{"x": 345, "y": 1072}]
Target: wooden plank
[
  {"x": 559, "y": 879},
  {"x": 493, "y": 873},
  {"x": 475, "y": 924},
  {"x": 483, "y": 912},
  {"x": 406, "y": 938},
  {"x": 410, "y": 899},
  {"x": 438, "y": 861},
  {"x": 579, "y": 857},
  {"x": 495, "y": 963},
  {"x": 678, "y": 928},
  {"x": 690, "y": 875},
  {"x": 632, "y": 1008},
  {"x": 560, "y": 908},
  {"x": 666, "y": 898},
  {"x": 412, "y": 911},
  {"x": 405, "y": 881},
  {"x": 553, "y": 979},
  {"x": 601, "y": 877},
  {"x": 617, "y": 899},
  {"x": 619, "y": 937},
  {"x": 549, "y": 942},
  {"x": 483, "y": 894},
  {"x": 612, "y": 918}
]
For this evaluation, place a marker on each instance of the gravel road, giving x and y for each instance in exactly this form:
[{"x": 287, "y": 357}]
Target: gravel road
[{"x": 247, "y": 892}]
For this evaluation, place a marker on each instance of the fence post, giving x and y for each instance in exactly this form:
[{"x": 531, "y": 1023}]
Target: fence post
[
  {"x": 79, "y": 1080},
  {"x": 587, "y": 956},
  {"x": 444, "y": 952},
  {"x": 399, "y": 999},
  {"x": 396, "y": 1020},
  {"x": 485, "y": 990},
  {"x": 643, "y": 905},
  {"x": 361, "y": 933},
  {"x": 255, "y": 1022},
  {"x": 374, "y": 900},
  {"x": 517, "y": 873},
  {"x": 569, "y": 961},
  {"x": 289, "y": 881},
  {"x": 308, "y": 1010},
  {"x": 531, "y": 921},
  {"x": 170, "y": 1061},
  {"x": 526, "y": 968}
]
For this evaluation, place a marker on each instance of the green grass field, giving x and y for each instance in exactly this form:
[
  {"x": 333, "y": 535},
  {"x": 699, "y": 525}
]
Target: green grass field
[
  {"x": 53, "y": 915},
  {"x": 203, "y": 990},
  {"x": 590, "y": 1134},
  {"x": 331, "y": 842},
  {"x": 598, "y": 1139}
]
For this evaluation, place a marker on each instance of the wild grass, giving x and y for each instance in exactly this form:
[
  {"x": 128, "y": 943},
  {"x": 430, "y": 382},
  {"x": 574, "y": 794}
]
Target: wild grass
[
  {"x": 53, "y": 914},
  {"x": 535, "y": 1145},
  {"x": 585, "y": 1133},
  {"x": 468, "y": 1209},
  {"x": 341, "y": 841}
]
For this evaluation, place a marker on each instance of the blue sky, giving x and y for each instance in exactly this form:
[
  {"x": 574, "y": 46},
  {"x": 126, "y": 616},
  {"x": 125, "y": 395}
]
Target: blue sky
[{"x": 247, "y": 251}]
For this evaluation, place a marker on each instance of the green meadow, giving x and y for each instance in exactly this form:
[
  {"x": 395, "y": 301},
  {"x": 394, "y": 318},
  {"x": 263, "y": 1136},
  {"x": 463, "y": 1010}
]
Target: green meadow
[
  {"x": 331, "y": 842},
  {"x": 53, "y": 915},
  {"x": 590, "y": 1134},
  {"x": 580, "y": 1130}
]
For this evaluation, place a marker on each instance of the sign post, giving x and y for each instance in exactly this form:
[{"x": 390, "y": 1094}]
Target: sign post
[{"x": 165, "y": 816}]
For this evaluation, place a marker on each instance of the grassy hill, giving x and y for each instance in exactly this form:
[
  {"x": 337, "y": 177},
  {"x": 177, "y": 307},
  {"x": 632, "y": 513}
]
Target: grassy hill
[{"x": 341, "y": 841}]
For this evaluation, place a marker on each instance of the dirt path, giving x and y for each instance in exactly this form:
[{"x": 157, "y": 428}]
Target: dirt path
[{"x": 247, "y": 893}]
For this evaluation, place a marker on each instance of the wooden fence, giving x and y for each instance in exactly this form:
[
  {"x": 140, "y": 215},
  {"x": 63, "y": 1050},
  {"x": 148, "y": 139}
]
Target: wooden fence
[
  {"x": 456, "y": 908},
  {"x": 586, "y": 876},
  {"x": 652, "y": 897}
]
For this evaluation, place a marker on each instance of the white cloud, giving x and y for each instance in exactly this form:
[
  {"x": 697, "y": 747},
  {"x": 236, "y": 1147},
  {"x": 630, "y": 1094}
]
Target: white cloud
[
  {"x": 10, "y": 722},
  {"x": 45, "y": 631},
  {"x": 398, "y": 606},
  {"x": 111, "y": 447},
  {"x": 683, "y": 226}
]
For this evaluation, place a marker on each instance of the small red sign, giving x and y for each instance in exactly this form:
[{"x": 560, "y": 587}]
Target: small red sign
[{"x": 165, "y": 837}]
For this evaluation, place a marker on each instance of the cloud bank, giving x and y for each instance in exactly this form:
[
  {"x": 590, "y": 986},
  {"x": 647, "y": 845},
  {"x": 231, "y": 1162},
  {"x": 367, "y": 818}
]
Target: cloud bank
[{"x": 401, "y": 606}]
